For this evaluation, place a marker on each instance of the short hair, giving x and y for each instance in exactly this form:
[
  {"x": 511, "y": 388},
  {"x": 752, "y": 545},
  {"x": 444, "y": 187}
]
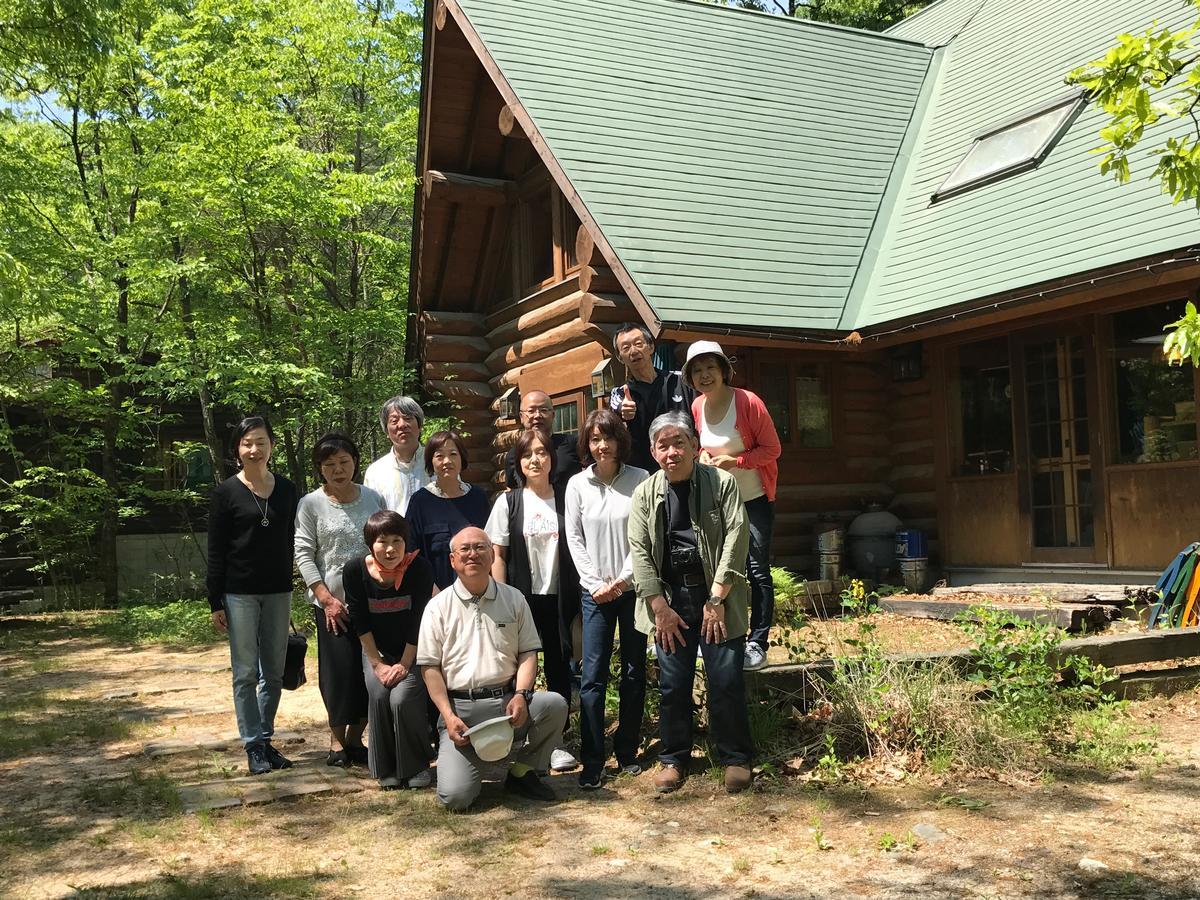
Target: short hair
[
  {"x": 673, "y": 419},
  {"x": 722, "y": 364},
  {"x": 386, "y": 521},
  {"x": 609, "y": 424},
  {"x": 244, "y": 427},
  {"x": 525, "y": 442},
  {"x": 406, "y": 406},
  {"x": 437, "y": 441},
  {"x": 633, "y": 326},
  {"x": 330, "y": 444}
]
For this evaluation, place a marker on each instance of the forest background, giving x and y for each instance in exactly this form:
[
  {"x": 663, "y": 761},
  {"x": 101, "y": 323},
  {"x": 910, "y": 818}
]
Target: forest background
[{"x": 205, "y": 212}]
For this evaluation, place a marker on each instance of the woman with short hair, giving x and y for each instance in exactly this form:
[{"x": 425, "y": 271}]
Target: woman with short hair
[
  {"x": 446, "y": 505},
  {"x": 329, "y": 535},
  {"x": 251, "y": 526},
  {"x": 598, "y": 502},
  {"x": 386, "y": 591},
  {"x": 738, "y": 435},
  {"x": 527, "y": 531}
]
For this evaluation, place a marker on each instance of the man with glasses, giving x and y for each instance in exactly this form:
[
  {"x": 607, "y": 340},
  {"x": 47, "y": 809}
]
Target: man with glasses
[
  {"x": 647, "y": 394},
  {"x": 537, "y": 412},
  {"x": 478, "y": 653},
  {"x": 400, "y": 472}
]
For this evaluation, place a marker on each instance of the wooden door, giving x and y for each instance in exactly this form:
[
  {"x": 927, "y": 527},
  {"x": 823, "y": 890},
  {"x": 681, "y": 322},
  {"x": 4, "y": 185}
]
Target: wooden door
[{"x": 1061, "y": 505}]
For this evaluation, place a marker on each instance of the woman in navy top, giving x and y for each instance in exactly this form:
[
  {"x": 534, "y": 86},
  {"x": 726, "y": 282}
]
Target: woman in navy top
[{"x": 445, "y": 506}]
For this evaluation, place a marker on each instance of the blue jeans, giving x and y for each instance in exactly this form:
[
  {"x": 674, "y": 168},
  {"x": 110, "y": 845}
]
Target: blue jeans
[
  {"x": 760, "y": 516},
  {"x": 600, "y": 621},
  {"x": 728, "y": 716},
  {"x": 258, "y": 629}
]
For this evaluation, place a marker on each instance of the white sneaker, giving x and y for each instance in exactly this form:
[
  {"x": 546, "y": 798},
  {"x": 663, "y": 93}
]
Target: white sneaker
[
  {"x": 421, "y": 780},
  {"x": 562, "y": 761},
  {"x": 755, "y": 657}
]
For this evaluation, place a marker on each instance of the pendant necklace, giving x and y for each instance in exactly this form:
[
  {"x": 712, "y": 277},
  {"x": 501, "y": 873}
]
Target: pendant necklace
[{"x": 262, "y": 509}]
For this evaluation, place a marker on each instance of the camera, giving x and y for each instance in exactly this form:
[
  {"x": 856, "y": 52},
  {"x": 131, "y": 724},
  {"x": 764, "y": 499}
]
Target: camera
[{"x": 685, "y": 559}]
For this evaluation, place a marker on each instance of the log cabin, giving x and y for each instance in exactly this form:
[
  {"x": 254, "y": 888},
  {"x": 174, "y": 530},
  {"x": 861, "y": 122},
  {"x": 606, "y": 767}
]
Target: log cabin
[{"x": 903, "y": 238}]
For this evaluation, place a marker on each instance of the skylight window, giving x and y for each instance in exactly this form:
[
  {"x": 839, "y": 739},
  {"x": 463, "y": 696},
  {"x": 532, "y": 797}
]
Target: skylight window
[{"x": 1015, "y": 146}]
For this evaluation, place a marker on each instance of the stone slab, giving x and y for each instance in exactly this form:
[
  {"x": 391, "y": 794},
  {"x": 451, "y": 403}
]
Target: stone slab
[
  {"x": 200, "y": 743},
  {"x": 264, "y": 789},
  {"x": 148, "y": 691}
]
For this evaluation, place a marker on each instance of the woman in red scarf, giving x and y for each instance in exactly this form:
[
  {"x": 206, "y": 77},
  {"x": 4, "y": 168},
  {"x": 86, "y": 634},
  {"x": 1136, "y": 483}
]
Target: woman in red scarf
[{"x": 386, "y": 593}]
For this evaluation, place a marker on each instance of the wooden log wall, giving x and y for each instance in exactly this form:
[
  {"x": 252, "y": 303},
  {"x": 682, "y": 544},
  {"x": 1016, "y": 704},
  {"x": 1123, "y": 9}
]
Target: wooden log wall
[
  {"x": 836, "y": 482},
  {"x": 911, "y": 433},
  {"x": 455, "y": 347}
]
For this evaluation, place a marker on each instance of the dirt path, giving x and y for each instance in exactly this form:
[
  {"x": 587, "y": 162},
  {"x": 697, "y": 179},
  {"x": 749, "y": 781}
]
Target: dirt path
[{"x": 85, "y": 811}]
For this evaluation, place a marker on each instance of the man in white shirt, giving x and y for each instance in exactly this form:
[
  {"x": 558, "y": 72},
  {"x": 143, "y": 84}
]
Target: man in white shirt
[
  {"x": 478, "y": 652},
  {"x": 399, "y": 473}
]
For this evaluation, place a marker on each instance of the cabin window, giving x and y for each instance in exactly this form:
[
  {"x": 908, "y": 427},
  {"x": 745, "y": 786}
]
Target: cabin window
[
  {"x": 545, "y": 231},
  {"x": 567, "y": 414},
  {"x": 800, "y": 404},
  {"x": 981, "y": 408},
  {"x": 1156, "y": 403},
  {"x": 1015, "y": 146},
  {"x": 570, "y": 228}
]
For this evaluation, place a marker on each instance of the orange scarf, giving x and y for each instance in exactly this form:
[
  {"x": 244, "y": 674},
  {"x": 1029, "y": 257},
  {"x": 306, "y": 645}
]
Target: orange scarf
[{"x": 396, "y": 574}]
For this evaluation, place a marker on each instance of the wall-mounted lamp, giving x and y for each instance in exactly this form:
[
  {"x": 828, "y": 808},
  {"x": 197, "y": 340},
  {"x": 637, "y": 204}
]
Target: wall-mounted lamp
[
  {"x": 605, "y": 377},
  {"x": 510, "y": 404},
  {"x": 906, "y": 363}
]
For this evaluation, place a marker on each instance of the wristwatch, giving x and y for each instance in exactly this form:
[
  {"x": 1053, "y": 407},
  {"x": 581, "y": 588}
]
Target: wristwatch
[
  {"x": 714, "y": 600},
  {"x": 528, "y": 695}
]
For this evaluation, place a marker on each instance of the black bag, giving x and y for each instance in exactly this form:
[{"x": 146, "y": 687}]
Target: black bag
[{"x": 293, "y": 666}]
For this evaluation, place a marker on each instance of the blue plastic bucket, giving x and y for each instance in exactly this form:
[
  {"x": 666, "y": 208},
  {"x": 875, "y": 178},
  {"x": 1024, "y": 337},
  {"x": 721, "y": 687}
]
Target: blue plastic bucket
[{"x": 910, "y": 544}]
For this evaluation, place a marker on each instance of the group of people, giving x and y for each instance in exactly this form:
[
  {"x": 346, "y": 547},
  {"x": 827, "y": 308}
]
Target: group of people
[{"x": 432, "y": 606}]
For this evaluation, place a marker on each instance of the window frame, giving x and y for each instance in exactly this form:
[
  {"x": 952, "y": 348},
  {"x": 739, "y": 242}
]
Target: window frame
[
  {"x": 1077, "y": 100},
  {"x": 579, "y": 398},
  {"x": 767, "y": 368},
  {"x": 951, "y": 359}
]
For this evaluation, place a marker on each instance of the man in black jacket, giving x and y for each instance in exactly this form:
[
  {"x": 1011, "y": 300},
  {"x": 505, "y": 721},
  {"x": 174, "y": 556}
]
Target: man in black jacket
[
  {"x": 538, "y": 412},
  {"x": 647, "y": 394}
]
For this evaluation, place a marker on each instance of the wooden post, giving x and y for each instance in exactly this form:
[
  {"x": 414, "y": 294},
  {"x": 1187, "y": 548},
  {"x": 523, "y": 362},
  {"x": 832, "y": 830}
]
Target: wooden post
[{"x": 508, "y": 125}]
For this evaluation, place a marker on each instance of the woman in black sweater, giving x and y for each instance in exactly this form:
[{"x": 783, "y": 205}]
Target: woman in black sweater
[
  {"x": 251, "y": 527},
  {"x": 387, "y": 591}
]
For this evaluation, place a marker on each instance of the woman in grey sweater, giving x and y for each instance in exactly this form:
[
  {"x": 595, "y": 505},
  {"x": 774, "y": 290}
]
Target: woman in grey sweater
[{"x": 329, "y": 534}]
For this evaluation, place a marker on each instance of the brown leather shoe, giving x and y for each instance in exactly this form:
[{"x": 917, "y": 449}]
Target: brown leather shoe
[
  {"x": 668, "y": 779},
  {"x": 737, "y": 779}
]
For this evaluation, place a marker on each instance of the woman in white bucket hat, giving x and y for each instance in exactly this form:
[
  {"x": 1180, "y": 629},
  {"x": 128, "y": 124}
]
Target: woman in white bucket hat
[{"x": 737, "y": 434}]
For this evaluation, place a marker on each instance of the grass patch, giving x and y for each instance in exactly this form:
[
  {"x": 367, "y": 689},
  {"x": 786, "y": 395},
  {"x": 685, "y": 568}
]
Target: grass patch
[
  {"x": 213, "y": 886},
  {"x": 35, "y": 721},
  {"x": 185, "y": 623},
  {"x": 139, "y": 794}
]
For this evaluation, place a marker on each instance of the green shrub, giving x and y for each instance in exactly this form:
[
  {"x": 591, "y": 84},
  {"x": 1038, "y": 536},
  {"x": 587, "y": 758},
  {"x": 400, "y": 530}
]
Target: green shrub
[{"x": 182, "y": 622}]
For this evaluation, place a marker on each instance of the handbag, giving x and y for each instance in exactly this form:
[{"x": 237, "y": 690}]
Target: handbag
[{"x": 293, "y": 665}]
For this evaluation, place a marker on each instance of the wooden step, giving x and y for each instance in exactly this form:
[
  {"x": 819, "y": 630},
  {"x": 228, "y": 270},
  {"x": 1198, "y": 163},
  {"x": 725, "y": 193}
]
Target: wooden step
[
  {"x": 11, "y": 563},
  {"x": 12, "y": 598}
]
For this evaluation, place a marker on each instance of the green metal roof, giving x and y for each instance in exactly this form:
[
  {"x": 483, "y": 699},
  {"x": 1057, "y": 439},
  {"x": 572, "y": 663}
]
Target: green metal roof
[
  {"x": 767, "y": 173},
  {"x": 1058, "y": 220},
  {"x": 735, "y": 161}
]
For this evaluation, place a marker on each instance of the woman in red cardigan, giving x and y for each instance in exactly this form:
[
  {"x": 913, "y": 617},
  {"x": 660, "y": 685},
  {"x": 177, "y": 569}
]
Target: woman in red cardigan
[{"x": 737, "y": 435}]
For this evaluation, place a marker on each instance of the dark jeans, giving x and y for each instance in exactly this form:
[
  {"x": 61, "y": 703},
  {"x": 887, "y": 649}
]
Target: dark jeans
[
  {"x": 760, "y": 516},
  {"x": 600, "y": 621},
  {"x": 728, "y": 716},
  {"x": 554, "y": 662}
]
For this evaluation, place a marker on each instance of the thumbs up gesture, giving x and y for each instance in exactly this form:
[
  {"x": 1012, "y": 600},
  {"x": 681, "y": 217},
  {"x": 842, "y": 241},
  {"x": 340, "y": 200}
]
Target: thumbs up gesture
[{"x": 628, "y": 406}]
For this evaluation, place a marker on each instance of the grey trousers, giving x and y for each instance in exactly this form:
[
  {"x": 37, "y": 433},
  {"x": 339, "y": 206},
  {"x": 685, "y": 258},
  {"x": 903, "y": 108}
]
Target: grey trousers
[
  {"x": 398, "y": 735},
  {"x": 458, "y": 768}
]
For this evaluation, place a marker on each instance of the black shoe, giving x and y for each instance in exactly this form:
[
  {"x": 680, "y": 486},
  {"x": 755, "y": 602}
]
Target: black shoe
[
  {"x": 276, "y": 759},
  {"x": 337, "y": 758},
  {"x": 256, "y": 759},
  {"x": 357, "y": 755},
  {"x": 590, "y": 781},
  {"x": 631, "y": 769},
  {"x": 528, "y": 785}
]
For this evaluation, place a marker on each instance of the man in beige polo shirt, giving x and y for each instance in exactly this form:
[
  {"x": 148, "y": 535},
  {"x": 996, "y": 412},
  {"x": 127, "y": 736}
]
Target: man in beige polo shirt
[{"x": 478, "y": 652}]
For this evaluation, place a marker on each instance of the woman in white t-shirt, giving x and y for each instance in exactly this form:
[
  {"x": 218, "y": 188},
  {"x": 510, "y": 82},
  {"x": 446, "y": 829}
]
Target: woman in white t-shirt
[
  {"x": 526, "y": 529},
  {"x": 597, "y": 503},
  {"x": 738, "y": 435}
]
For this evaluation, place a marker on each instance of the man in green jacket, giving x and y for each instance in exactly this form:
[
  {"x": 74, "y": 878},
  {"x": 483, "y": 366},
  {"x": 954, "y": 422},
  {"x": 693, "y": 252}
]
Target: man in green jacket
[{"x": 688, "y": 539}]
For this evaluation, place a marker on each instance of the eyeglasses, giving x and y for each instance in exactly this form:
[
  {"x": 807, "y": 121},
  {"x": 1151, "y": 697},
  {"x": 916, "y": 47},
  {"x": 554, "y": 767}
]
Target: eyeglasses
[
  {"x": 538, "y": 409},
  {"x": 472, "y": 549}
]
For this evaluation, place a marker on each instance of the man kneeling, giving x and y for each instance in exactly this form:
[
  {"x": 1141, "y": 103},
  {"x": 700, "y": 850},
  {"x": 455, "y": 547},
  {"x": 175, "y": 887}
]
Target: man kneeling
[{"x": 478, "y": 652}]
